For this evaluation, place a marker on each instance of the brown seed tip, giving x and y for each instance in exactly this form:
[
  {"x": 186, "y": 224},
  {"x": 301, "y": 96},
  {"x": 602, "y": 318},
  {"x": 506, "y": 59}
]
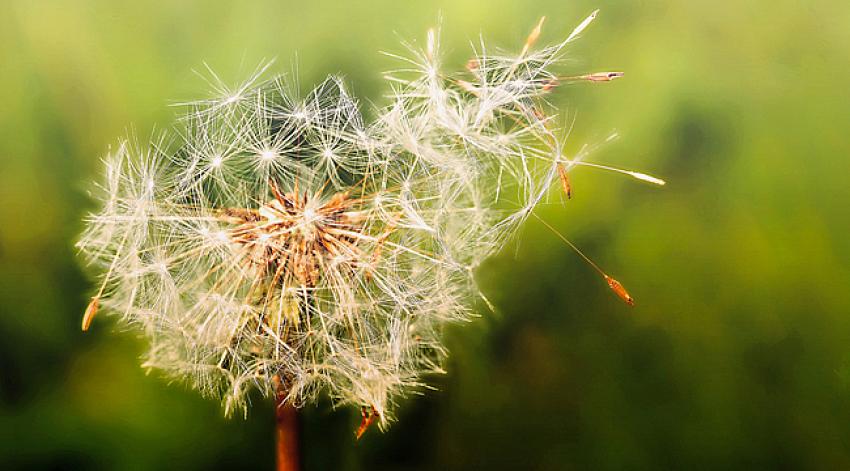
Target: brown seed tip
[
  {"x": 618, "y": 288},
  {"x": 533, "y": 36},
  {"x": 535, "y": 33},
  {"x": 369, "y": 415},
  {"x": 91, "y": 310},
  {"x": 565, "y": 181},
  {"x": 472, "y": 65},
  {"x": 604, "y": 76}
]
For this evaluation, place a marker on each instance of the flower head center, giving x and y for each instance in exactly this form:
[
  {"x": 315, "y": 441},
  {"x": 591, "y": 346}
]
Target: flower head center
[{"x": 294, "y": 236}]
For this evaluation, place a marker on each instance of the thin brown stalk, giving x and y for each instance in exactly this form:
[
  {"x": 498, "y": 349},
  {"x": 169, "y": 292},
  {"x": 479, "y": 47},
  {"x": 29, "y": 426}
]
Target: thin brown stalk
[{"x": 286, "y": 434}]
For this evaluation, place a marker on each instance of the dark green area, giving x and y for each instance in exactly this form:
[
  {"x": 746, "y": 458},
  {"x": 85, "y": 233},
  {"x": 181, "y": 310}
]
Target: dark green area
[{"x": 737, "y": 354}]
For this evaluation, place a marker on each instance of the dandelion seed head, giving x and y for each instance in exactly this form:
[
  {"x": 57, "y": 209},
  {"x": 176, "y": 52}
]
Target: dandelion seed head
[{"x": 281, "y": 241}]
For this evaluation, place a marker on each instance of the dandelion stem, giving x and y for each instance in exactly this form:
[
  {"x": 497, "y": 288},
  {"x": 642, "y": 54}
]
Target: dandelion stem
[{"x": 286, "y": 433}]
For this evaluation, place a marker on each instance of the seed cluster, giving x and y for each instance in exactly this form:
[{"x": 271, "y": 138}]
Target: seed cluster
[
  {"x": 284, "y": 245},
  {"x": 294, "y": 235}
]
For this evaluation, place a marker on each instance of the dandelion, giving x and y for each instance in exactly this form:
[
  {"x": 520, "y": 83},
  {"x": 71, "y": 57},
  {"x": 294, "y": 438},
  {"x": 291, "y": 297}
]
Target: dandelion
[{"x": 280, "y": 243}]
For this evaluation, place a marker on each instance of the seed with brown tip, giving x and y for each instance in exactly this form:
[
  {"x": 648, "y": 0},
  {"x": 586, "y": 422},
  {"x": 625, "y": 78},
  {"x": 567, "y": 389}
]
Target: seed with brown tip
[
  {"x": 549, "y": 85},
  {"x": 533, "y": 36},
  {"x": 369, "y": 415},
  {"x": 603, "y": 76},
  {"x": 91, "y": 310},
  {"x": 565, "y": 180},
  {"x": 618, "y": 288}
]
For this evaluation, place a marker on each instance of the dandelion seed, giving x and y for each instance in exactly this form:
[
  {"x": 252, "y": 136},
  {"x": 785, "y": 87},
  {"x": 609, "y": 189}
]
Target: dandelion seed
[
  {"x": 91, "y": 311},
  {"x": 369, "y": 416},
  {"x": 565, "y": 181},
  {"x": 618, "y": 288},
  {"x": 615, "y": 285},
  {"x": 595, "y": 77},
  {"x": 532, "y": 38}
]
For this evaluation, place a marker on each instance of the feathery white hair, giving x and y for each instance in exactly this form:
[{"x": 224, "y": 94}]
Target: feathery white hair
[{"x": 283, "y": 244}]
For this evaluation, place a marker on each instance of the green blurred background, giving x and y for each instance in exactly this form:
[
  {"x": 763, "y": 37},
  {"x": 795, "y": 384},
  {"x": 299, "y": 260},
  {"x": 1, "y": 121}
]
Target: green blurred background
[{"x": 736, "y": 356}]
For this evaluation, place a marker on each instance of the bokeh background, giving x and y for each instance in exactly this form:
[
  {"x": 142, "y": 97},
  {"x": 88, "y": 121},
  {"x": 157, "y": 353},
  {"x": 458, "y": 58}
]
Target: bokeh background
[{"x": 737, "y": 354}]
